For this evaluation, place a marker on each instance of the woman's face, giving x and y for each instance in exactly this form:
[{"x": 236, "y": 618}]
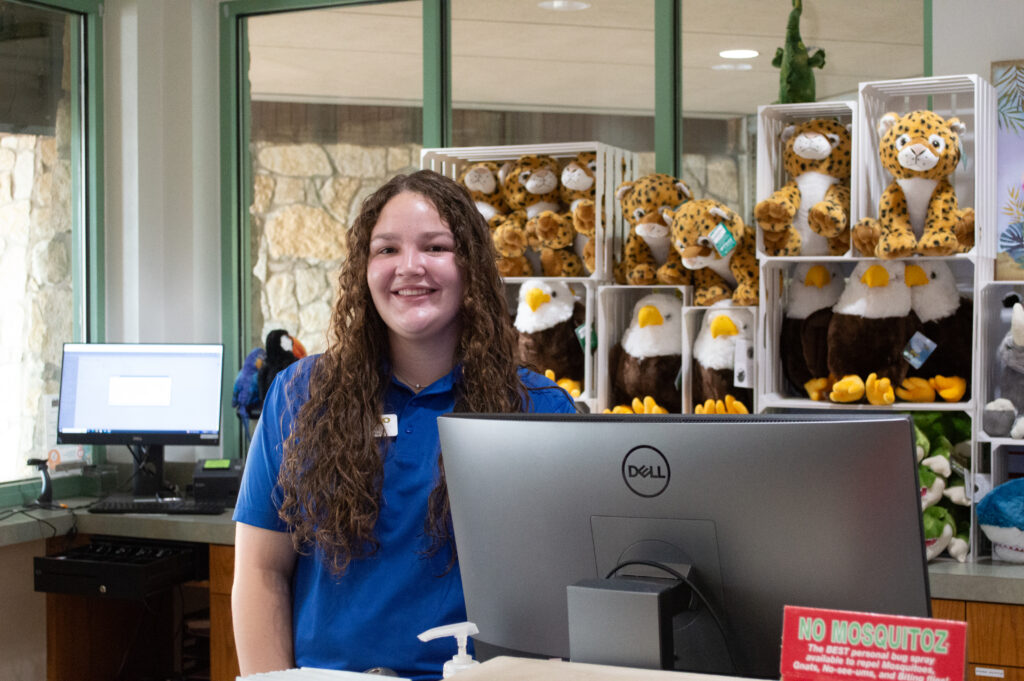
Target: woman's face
[{"x": 414, "y": 280}]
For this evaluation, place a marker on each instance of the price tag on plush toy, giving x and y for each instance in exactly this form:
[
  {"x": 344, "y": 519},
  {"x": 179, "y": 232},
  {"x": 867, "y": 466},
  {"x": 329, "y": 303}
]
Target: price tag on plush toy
[
  {"x": 918, "y": 349},
  {"x": 581, "y": 336},
  {"x": 743, "y": 364},
  {"x": 722, "y": 239}
]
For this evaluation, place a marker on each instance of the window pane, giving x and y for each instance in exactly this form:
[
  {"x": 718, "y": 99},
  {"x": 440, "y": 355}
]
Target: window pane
[
  {"x": 721, "y": 95},
  {"x": 336, "y": 109},
  {"x": 37, "y": 300},
  {"x": 522, "y": 74}
]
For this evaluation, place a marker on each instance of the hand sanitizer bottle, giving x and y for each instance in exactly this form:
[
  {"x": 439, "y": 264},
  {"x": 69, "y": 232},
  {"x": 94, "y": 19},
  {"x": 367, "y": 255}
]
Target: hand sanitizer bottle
[{"x": 461, "y": 631}]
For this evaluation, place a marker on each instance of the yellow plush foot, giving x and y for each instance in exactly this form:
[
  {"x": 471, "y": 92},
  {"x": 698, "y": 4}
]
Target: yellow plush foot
[
  {"x": 847, "y": 389},
  {"x": 570, "y": 386},
  {"x": 817, "y": 388},
  {"x": 647, "y": 406},
  {"x": 734, "y": 406},
  {"x": 879, "y": 390},
  {"x": 915, "y": 389},
  {"x": 709, "y": 407},
  {"x": 619, "y": 409},
  {"x": 950, "y": 388}
]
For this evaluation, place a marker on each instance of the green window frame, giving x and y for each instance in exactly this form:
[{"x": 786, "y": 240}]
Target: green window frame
[{"x": 87, "y": 252}]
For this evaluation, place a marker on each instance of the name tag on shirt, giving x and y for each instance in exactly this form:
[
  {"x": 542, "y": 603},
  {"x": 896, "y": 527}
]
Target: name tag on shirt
[{"x": 388, "y": 426}]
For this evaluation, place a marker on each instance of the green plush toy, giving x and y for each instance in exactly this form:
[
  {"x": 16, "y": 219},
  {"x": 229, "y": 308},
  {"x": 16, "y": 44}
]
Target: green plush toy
[
  {"x": 939, "y": 530},
  {"x": 796, "y": 80},
  {"x": 942, "y": 441}
]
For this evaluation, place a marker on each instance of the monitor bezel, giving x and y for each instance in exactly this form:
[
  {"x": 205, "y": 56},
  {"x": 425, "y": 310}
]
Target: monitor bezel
[{"x": 146, "y": 437}]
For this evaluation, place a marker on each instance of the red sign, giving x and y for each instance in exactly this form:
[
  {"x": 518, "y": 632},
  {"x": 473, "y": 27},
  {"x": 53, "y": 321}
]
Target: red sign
[{"x": 835, "y": 644}]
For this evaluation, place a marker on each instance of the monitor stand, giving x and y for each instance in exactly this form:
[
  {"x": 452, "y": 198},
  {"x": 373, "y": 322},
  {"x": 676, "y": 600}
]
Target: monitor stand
[{"x": 148, "y": 471}]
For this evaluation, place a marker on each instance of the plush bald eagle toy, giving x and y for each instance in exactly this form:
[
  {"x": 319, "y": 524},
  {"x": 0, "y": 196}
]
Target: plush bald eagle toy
[
  {"x": 646, "y": 362},
  {"x": 946, "y": 319},
  {"x": 546, "y": 320},
  {"x": 714, "y": 360},
  {"x": 813, "y": 289},
  {"x": 871, "y": 324}
]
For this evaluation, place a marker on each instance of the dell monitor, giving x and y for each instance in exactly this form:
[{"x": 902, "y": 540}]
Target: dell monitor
[
  {"x": 765, "y": 511},
  {"x": 144, "y": 396}
]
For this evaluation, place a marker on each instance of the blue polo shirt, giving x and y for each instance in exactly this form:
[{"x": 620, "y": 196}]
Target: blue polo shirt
[{"x": 370, "y": 616}]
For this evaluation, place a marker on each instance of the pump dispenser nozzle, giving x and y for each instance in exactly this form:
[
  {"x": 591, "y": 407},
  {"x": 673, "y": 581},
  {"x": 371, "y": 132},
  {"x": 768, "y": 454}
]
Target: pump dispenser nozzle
[{"x": 461, "y": 631}]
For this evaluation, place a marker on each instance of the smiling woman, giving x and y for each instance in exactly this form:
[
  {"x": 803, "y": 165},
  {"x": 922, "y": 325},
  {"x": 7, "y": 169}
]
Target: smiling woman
[{"x": 344, "y": 475}]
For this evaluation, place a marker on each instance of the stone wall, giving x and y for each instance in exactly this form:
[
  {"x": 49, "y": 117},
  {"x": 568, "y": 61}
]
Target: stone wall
[
  {"x": 35, "y": 290},
  {"x": 304, "y": 198}
]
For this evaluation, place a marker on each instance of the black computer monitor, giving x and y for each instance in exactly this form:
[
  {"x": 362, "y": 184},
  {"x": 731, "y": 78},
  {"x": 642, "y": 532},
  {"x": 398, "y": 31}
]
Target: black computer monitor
[
  {"x": 819, "y": 511},
  {"x": 142, "y": 395}
]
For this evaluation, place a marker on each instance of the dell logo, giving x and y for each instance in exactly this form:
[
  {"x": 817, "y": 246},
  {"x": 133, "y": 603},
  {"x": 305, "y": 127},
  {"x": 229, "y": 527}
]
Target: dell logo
[{"x": 645, "y": 471}]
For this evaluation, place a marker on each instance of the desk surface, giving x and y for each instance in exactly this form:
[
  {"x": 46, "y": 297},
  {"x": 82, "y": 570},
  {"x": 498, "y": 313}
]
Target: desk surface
[
  {"x": 520, "y": 669},
  {"x": 985, "y": 580}
]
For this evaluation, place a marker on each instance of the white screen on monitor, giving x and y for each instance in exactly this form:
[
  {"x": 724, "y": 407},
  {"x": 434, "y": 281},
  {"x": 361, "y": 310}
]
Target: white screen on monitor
[{"x": 144, "y": 388}]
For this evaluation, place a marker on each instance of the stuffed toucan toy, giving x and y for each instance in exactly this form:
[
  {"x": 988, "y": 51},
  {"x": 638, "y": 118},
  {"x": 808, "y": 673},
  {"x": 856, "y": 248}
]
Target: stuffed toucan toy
[{"x": 258, "y": 371}]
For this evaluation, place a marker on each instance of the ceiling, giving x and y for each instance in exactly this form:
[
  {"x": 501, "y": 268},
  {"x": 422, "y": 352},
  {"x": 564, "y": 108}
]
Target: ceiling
[{"x": 513, "y": 55}]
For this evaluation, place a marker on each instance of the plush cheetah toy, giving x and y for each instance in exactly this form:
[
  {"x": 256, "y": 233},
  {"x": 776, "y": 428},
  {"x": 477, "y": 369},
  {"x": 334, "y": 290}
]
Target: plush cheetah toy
[
  {"x": 531, "y": 185},
  {"x": 918, "y": 211},
  {"x": 579, "y": 182},
  {"x": 810, "y": 215},
  {"x": 484, "y": 186},
  {"x": 511, "y": 243},
  {"x": 649, "y": 257},
  {"x": 713, "y": 242}
]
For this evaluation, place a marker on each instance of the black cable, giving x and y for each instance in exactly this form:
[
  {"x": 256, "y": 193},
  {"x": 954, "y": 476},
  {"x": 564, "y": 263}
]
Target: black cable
[{"x": 693, "y": 588}]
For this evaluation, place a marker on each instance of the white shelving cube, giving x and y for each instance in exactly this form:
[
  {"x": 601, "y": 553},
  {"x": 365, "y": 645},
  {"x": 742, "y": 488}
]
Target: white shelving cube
[
  {"x": 772, "y": 119},
  {"x": 968, "y": 97},
  {"x": 585, "y": 293},
  {"x": 775, "y": 394},
  {"x": 615, "y": 307},
  {"x": 614, "y": 165},
  {"x": 692, "y": 318}
]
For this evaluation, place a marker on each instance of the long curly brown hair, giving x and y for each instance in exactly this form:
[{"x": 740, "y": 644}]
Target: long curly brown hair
[{"x": 332, "y": 473}]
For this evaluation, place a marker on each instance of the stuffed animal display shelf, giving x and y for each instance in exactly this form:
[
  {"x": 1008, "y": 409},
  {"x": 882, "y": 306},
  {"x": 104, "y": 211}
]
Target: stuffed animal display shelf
[{"x": 892, "y": 330}]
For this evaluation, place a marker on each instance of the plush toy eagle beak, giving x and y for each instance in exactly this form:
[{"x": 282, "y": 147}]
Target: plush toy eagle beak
[
  {"x": 915, "y": 276},
  {"x": 875, "y": 276},
  {"x": 649, "y": 316},
  {"x": 817, "y": 276},
  {"x": 535, "y": 298},
  {"x": 723, "y": 326}
]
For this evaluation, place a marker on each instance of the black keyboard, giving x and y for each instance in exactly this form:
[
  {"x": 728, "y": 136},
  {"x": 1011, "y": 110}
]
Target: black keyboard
[{"x": 173, "y": 506}]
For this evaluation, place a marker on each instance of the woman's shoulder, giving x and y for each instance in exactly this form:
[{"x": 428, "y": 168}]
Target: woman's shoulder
[
  {"x": 545, "y": 395},
  {"x": 293, "y": 380}
]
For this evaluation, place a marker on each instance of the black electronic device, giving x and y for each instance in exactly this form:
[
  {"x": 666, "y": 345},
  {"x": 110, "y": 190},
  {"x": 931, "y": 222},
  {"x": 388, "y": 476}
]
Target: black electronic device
[
  {"x": 172, "y": 506},
  {"x": 142, "y": 395},
  {"x": 217, "y": 480},
  {"x": 119, "y": 567}
]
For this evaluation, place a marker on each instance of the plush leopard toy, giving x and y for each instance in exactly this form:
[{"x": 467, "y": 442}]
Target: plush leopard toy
[
  {"x": 649, "y": 257},
  {"x": 713, "y": 242},
  {"x": 579, "y": 182},
  {"x": 531, "y": 185},
  {"x": 918, "y": 211},
  {"x": 484, "y": 186},
  {"x": 511, "y": 243},
  {"x": 810, "y": 215}
]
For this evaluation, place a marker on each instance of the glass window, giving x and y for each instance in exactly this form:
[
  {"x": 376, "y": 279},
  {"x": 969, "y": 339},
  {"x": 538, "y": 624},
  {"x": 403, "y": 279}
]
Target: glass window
[
  {"x": 336, "y": 108},
  {"x": 529, "y": 72},
  {"x": 722, "y": 91},
  {"x": 40, "y": 197}
]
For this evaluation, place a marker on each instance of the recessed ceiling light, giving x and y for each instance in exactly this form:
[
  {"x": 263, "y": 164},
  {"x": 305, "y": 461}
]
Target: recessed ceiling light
[
  {"x": 738, "y": 54},
  {"x": 731, "y": 67},
  {"x": 563, "y": 5}
]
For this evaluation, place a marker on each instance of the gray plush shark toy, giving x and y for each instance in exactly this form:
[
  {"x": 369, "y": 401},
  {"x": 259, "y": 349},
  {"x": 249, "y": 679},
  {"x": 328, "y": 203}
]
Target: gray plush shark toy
[{"x": 1001, "y": 416}]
